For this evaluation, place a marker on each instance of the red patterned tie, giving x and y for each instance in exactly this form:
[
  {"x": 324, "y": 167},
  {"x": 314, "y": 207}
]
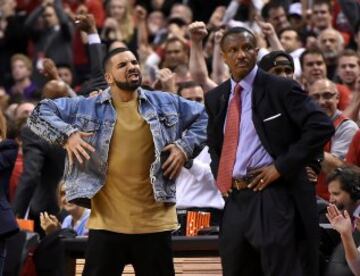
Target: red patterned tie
[{"x": 231, "y": 138}]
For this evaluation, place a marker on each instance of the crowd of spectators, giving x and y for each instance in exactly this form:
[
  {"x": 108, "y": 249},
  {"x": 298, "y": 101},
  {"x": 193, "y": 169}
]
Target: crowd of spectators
[{"x": 53, "y": 48}]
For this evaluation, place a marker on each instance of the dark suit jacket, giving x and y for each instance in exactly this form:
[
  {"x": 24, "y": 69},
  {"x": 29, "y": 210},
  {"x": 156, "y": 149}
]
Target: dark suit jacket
[
  {"x": 43, "y": 170},
  {"x": 293, "y": 139},
  {"x": 97, "y": 81},
  {"x": 8, "y": 153}
]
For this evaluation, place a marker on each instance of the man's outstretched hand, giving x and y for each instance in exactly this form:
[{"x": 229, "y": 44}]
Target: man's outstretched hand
[{"x": 78, "y": 147}]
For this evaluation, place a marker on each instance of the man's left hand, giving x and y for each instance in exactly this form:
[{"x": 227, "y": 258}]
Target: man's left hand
[
  {"x": 264, "y": 177},
  {"x": 174, "y": 162}
]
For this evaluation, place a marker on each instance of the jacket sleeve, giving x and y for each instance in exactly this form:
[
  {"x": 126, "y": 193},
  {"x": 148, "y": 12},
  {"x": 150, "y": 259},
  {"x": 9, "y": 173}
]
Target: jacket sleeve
[
  {"x": 33, "y": 162},
  {"x": 30, "y": 21},
  {"x": 7, "y": 159},
  {"x": 351, "y": 9},
  {"x": 67, "y": 28},
  {"x": 315, "y": 128},
  {"x": 193, "y": 121},
  {"x": 211, "y": 142},
  {"x": 52, "y": 120},
  {"x": 97, "y": 80}
]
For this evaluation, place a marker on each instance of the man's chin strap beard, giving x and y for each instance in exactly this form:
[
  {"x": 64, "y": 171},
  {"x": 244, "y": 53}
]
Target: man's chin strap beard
[{"x": 128, "y": 86}]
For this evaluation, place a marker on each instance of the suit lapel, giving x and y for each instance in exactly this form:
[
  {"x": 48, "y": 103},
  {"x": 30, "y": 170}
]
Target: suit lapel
[
  {"x": 258, "y": 95},
  {"x": 224, "y": 99},
  {"x": 258, "y": 92},
  {"x": 219, "y": 119}
]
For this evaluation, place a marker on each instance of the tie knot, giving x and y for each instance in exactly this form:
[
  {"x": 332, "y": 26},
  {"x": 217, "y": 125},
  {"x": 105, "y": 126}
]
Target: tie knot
[{"x": 237, "y": 89}]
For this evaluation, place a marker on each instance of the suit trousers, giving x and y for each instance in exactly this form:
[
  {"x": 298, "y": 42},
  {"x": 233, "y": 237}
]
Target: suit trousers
[
  {"x": 257, "y": 235},
  {"x": 107, "y": 253}
]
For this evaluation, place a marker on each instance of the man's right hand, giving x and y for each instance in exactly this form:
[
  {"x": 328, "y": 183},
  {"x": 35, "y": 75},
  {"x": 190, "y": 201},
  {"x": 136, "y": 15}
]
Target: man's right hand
[
  {"x": 75, "y": 145},
  {"x": 197, "y": 31},
  {"x": 86, "y": 23}
]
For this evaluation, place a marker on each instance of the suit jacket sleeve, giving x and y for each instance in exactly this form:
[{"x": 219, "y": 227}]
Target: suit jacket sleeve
[
  {"x": 97, "y": 80},
  {"x": 33, "y": 163},
  {"x": 315, "y": 130},
  {"x": 211, "y": 138}
]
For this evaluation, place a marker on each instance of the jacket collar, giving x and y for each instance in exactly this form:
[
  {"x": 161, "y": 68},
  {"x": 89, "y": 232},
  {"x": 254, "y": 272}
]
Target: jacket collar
[
  {"x": 258, "y": 88},
  {"x": 106, "y": 95}
]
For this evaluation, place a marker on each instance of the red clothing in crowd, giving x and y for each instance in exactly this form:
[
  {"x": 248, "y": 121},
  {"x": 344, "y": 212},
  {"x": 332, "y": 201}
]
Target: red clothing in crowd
[
  {"x": 15, "y": 175},
  {"x": 321, "y": 186},
  {"x": 353, "y": 154},
  {"x": 344, "y": 96}
]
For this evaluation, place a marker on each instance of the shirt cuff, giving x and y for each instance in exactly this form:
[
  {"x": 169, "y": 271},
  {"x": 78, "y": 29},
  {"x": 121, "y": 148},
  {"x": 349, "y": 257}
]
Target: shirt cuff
[{"x": 94, "y": 39}]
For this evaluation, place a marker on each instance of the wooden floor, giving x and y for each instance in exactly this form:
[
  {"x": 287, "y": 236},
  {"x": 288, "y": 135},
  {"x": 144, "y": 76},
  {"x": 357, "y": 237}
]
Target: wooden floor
[{"x": 183, "y": 266}]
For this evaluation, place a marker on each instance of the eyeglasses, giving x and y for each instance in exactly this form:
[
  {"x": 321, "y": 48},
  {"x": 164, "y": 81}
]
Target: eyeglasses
[{"x": 324, "y": 95}]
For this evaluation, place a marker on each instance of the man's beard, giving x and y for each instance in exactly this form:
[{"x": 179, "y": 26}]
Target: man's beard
[
  {"x": 128, "y": 86},
  {"x": 330, "y": 54}
]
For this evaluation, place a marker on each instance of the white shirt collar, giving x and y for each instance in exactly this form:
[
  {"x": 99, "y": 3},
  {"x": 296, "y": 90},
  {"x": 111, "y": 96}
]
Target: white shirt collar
[{"x": 247, "y": 82}]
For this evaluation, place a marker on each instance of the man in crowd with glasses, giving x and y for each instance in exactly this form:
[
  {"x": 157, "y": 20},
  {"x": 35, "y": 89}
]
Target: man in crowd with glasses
[{"x": 325, "y": 93}]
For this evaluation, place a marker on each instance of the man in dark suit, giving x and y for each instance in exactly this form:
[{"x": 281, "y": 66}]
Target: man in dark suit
[
  {"x": 37, "y": 188},
  {"x": 259, "y": 162}
]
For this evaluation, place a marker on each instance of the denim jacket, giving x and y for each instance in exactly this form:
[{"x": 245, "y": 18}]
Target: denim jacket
[{"x": 171, "y": 119}]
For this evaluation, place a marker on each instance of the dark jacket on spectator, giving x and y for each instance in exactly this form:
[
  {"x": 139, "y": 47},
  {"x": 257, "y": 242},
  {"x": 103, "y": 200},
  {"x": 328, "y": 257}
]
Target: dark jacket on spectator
[
  {"x": 50, "y": 42},
  {"x": 43, "y": 169},
  {"x": 8, "y": 153}
]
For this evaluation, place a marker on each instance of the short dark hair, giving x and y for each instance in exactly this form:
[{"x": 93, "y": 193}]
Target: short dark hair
[
  {"x": 236, "y": 30},
  {"x": 323, "y": 2},
  {"x": 290, "y": 29},
  {"x": 64, "y": 65},
  {"x": 186, "y": 85},
  {"x": 112, "y": 53},
  {"x": 349, "y": 53},
  {"x": 176, "y": 39},
  {"x": 310, "y": 52},
  {"x": 265, "y": 11},
  {"x": 349, "y": 178}
]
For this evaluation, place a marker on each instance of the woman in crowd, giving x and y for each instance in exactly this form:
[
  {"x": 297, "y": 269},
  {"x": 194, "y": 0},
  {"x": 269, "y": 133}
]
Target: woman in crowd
[{"x": 119, "y": 25}]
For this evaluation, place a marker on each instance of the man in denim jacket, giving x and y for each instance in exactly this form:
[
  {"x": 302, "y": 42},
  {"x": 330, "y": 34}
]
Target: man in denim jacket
[{"x": 114, "y": 142}]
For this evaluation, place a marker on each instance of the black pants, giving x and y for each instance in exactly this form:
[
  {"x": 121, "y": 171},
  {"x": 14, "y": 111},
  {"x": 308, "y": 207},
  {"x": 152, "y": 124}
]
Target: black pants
[
  {"x": 257, "y": 235},
  {"x": 107, "y": 253}
]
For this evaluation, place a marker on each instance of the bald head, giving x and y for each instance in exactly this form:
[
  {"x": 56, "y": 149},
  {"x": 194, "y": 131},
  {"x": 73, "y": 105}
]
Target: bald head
[
  {"x": 323, "y": 84},
  {"x": 54, "y": 89},
  {"x": 325, "y": 93}
]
